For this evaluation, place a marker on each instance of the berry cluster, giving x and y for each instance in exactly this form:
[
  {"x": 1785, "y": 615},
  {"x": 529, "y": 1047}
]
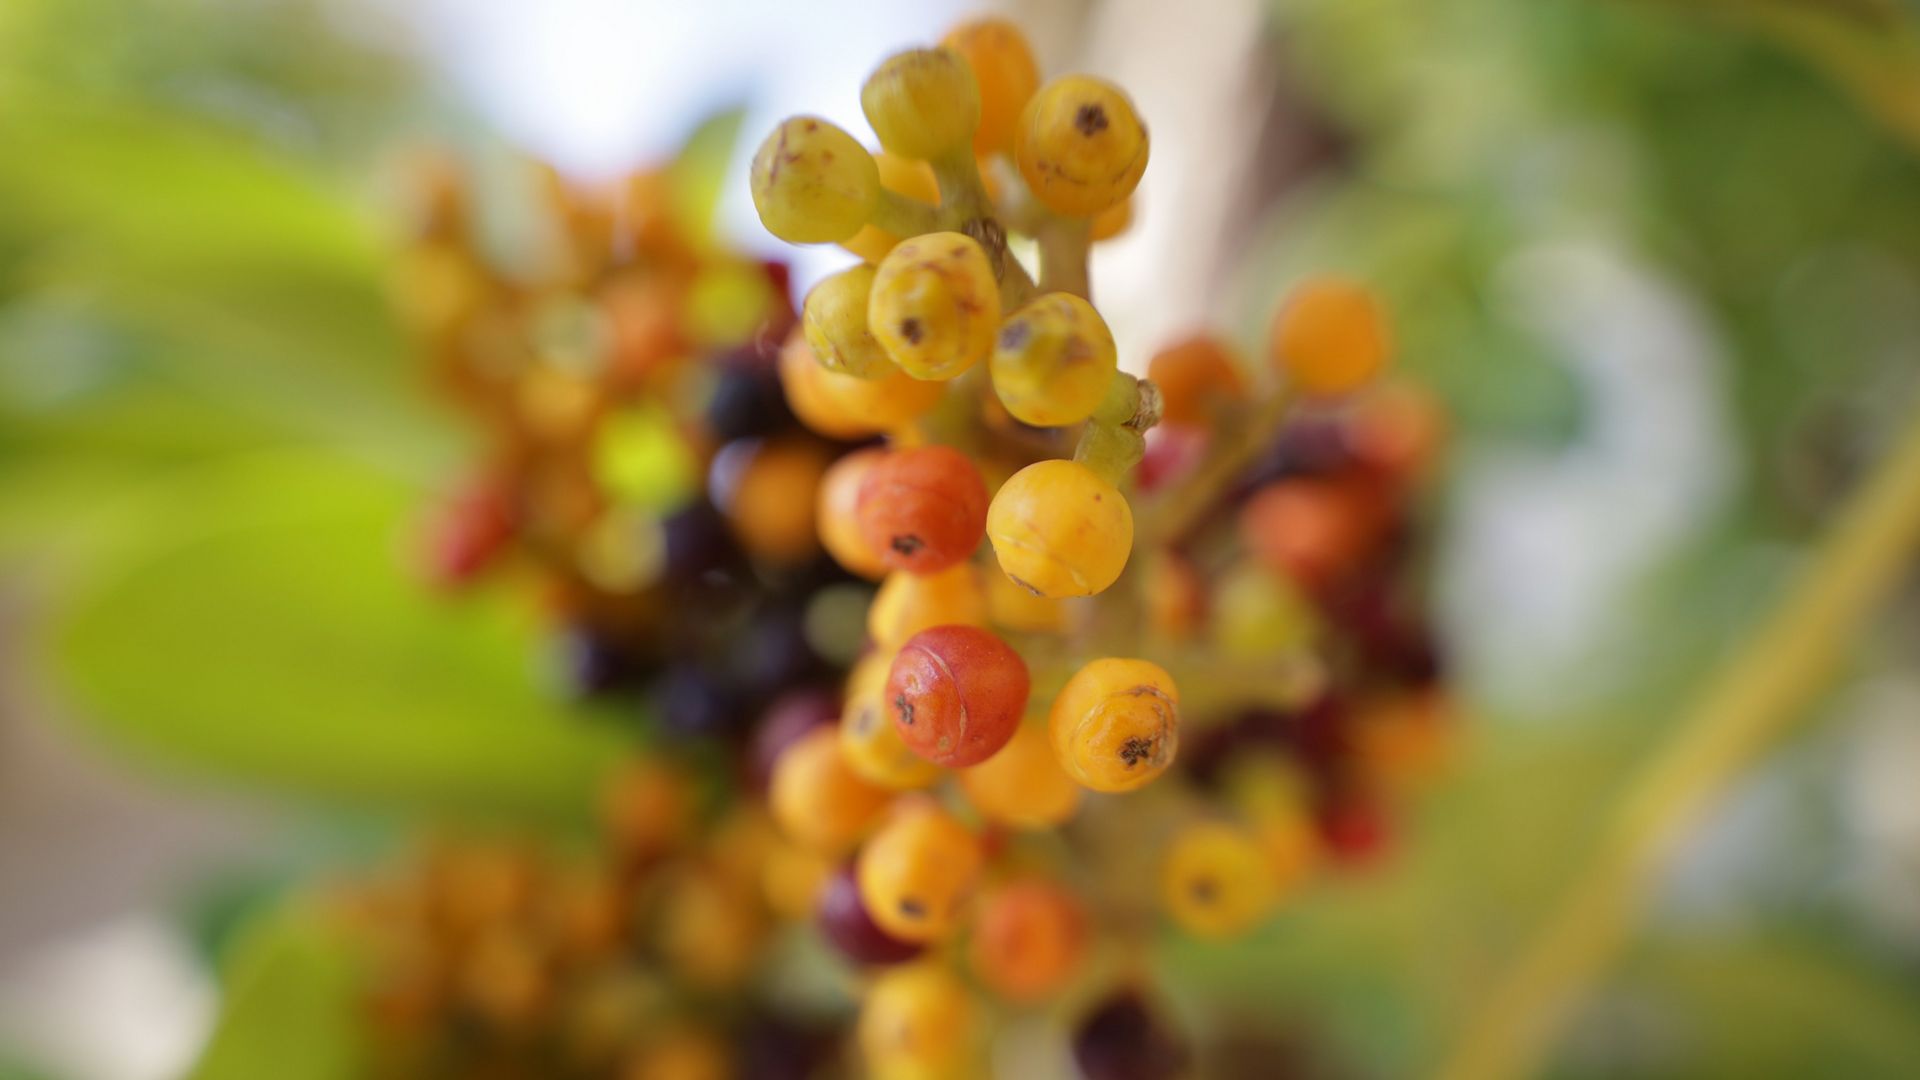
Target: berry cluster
[
  {"x": 1262, "y": 609},
  {"x": 638, "y": 458}
]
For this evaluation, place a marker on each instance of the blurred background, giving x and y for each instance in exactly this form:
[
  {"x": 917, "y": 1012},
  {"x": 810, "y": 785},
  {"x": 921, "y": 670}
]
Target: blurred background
[{"x": 1660, "y": 258}]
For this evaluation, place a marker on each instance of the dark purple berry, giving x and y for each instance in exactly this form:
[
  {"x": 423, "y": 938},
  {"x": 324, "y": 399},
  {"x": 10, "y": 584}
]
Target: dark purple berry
[
  {"x": 845, "y": 923},
  {"x": 1122, "y": 1039}
]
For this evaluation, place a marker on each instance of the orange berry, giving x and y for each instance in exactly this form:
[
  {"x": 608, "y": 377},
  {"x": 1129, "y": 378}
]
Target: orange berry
[
  {"x": 1116, "y": 724},
  {"x": 902, "y": 176},
  {"x": 923, "y": 509},
  {"x": 771, "y": 504},
  {"x": 1196, "y": 376},
  {"x": 835, "y": 513},
  {"x": 1030, "y": 939},
  {"x": 1331, "y": 336},
  {"x": 917, "y": 872},
  {"x": 1311, "y": 529},
  {"x": 909, "y": 603},
  {"x": 844, "y": 407},
  {"x": 818, "y": 799},
  {"x": 957, "y": 694},
  {"x": 1023, "y": 785},
  {"x": 1007, "y": 75}
]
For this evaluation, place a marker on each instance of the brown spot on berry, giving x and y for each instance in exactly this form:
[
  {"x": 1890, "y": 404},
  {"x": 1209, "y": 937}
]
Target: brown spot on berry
[
  {"x": 911, "y": 330},
  {"x": 912, "y": 909},
  {"x": 1015, "y": 334},
  {"x": 904, "y": 707},
  {"x": 1091, "y": 120},
  {"x": 1204, "y": 889},
  {"x": 906, "y": 544},
  {"x": 1136, "y": 750}
]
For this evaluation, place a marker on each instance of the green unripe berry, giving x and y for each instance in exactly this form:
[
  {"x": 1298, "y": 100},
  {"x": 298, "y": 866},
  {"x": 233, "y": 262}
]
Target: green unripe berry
[
  {"x": 1053, "y": 361},
  {"x": 922, "y": 103},
  {"x": 835, "y": 322},
  {"x": 813, "y": 183}
]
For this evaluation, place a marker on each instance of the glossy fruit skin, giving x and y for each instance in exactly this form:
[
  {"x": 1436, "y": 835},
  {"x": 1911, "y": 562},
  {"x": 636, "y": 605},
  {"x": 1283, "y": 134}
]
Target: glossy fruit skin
[
  {"x": 1030, "y": 939},
  {"x": 1053, "y": 361},
  {"x": 1059, "y": 530},
  {"x": 1014, "y": 608},
  {"x": 843, "y": 407},
  {"x": 771, "y": 505},
  {"x": 812, "y": 182},
  {"x": 902, "y": 176},
  {"x": 818, "y": 799},
  {"x": 922, "y": 103},
  {"x": 1023, "y": 786},
  {"x": 923, "y": 509},
  {"x": 1114, "y": 221},
  {"x": 1116, "y": 724},
  {"x": 918, "y": 1020},
  {"x": 917, "y": 872},
  {"x": 1217, "y": 881},
  {"x": 1122, "y": 1039},
  {"x": 957, "y": 694},
  {"x": 1081, "y": 146},
  {"x": 845, "y": 923},
  {"x": 908, "y": 603},
  {"x": 834, "y": 319},
  {"x": 935, "y": 306},
  {"x": 836, "y": 513},
  {"x": 1196, "y": 376},
  {"x": 1005, "y": 73},
  {"x": 868, "y": 738},
  {"x": 1331, "y": 336}
]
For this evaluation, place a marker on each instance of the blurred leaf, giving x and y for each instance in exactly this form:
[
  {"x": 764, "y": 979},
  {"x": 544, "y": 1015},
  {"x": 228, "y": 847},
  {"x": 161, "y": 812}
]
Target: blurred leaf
[
  {"x": 289, "y": 1009},
  {"x": 267, "y": 633},
  {"x": 700, "y": 168}
]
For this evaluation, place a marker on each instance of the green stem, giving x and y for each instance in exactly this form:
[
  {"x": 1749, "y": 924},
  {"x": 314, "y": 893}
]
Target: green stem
[
  {"x": 1065, "y": 244},
  {"x": 1235, "y": 447},
  {"x": 905, "y": 217},
  {"x": 1115, "y": 437},
  {"x": 965, "y": 208},
  {"x": 1754, "y": 698}
]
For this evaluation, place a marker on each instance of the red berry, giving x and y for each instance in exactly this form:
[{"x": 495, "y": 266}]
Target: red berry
[
  {"x": 957, "y": 694},
  {"x": 923, "y": 509}
]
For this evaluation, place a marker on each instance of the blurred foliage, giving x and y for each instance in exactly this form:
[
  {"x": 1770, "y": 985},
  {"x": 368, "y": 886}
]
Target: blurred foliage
[{"x": 211, "y": 444}]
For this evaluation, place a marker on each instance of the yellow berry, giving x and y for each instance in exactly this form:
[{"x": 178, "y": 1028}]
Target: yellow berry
[
  {"x": 1217, "y": 881},
  {"x": 1023, "y": 785},
  {"x": 902, "y": 176},
  {"x": 868, "y": 737},
  {"x": 1053, "y": 361},
  {"x": 1081, "y": 147},
  {"x": 1014, "y": 608},
  {"x": 843, "y": 407},
  {"x": 917, "y": 873},
  {"x": 817, "y": 798},
  {"x": 917, "y": 1020},
  {"x": 922, "y": 103},
  {"x": 1059, "y": 530},
  {"x": 1116, "y": 724},
  {"x": 908, "y": 603},
  {"x": 1109, "y": 223},
  {"x": 1004, "y": 70},
  {"x": 813, "y": 183},
  {"x": 1331, "y": 336},
  {"x": 935, "y": 306},
  {"x": 835, "y": 321}
]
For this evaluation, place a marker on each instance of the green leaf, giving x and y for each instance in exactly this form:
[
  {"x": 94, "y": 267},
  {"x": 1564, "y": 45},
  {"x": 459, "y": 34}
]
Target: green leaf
[
  {"x": 269, "y": 634},
  {"x": 701, "y": 167},
  {"x": 289, "y": 1009}
]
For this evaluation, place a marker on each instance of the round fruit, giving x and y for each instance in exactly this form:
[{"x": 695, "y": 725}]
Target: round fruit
[
  {"x": 922, "y": 103},
  {"x": 935, "y": 305},
  {"x": 957, "y": 694},
  {"x": 817, "y": 798},
  {"x": 923, "y": 509},
  {"x": 1116, "y": 724},
  {"x": 1005, "y": 72},
  {"x": 836, "y": 513},
  {"x": 1218, "y": 881},
  {"x": 1331, "y": 336},
  {"x": 1030, "y": 939},
  {"x": 1053, "y": 361},
  {"x": 812, "y": 182},
  {"x": 843, "y": 407},
  {"x": 917, "y": 871},
  {"x": 917, "y": 1021},
  {"x": 1081, "y": 146},
  {"x": 868, "y": 738},
  {"x": 909, "y": 603},
  {"x": 1023, "y": 785},
  {"x": 835, "y": 322},
  {"x": 1059, "y": 530},
  {"x": 846, "y": 924}
]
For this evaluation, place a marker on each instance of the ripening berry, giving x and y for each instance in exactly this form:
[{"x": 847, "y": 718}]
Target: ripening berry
[
  {"x": 918, "y": 1021},
  {"x": 1403, "y": 740},
  {"x": 1023, "y": 785},
  {"x": 793, "y": 879},
  {"x": 706, "y": 926},
  {"x": 1196, "y": 377},
  {"x": 935, "y": 305},
  {"x": 1029, "y": 940},
  {"x": 868, "y": 739},
  {"x": 922, "y": 103},
  {"x": 646, "y": 809},
  {"x": 1014, "y": 608},
  {"x": 909, "y": 603},
  {"x": 848, "y": 926},
  {"x": 813, "y": 183},
  {"x": 918, "y": 871},
  {"x": 1121, "y": 1038},
  {"x": 817, "y": 798},
  {"x": 1113, "y": 221},
  {"x": 1258, "y": 614},
  {"x": 902, "y": 176},
  {"x": 957, "y": 694},
  {"x": 1053, "y": 361},
  {"x": 1116, "y": 724},
  {"x": 923, "y": 508},
  {"x": 1217, "y": 881},
  {"x": 835, "y": 321},
  {"x": 1311, "y": 529},
  {"x": 1005, "y": 72},
  {"x": 1398, "y": 431},
  {"x": 843, "y": 407},
  {"x": 1330, "y": 336},
  {"x": 1176, "y": 596},
  {"x": 771, "y": 501},
  {"x": 836, "y": 513},
  {"x": 1059, "y": 530},
  {"x": 1081, "y": 146}
]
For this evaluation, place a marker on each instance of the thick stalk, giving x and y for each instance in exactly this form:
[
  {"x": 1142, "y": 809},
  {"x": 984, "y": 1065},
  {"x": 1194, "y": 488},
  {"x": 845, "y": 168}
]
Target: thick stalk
[
  {"x": 965, "y": 208},
  {"x": 902, "y": 216},
  {"x": 1237, "y": 446},
  {"x": 1065, "y": 244},
  {"x": 1762, "y": 690}
]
